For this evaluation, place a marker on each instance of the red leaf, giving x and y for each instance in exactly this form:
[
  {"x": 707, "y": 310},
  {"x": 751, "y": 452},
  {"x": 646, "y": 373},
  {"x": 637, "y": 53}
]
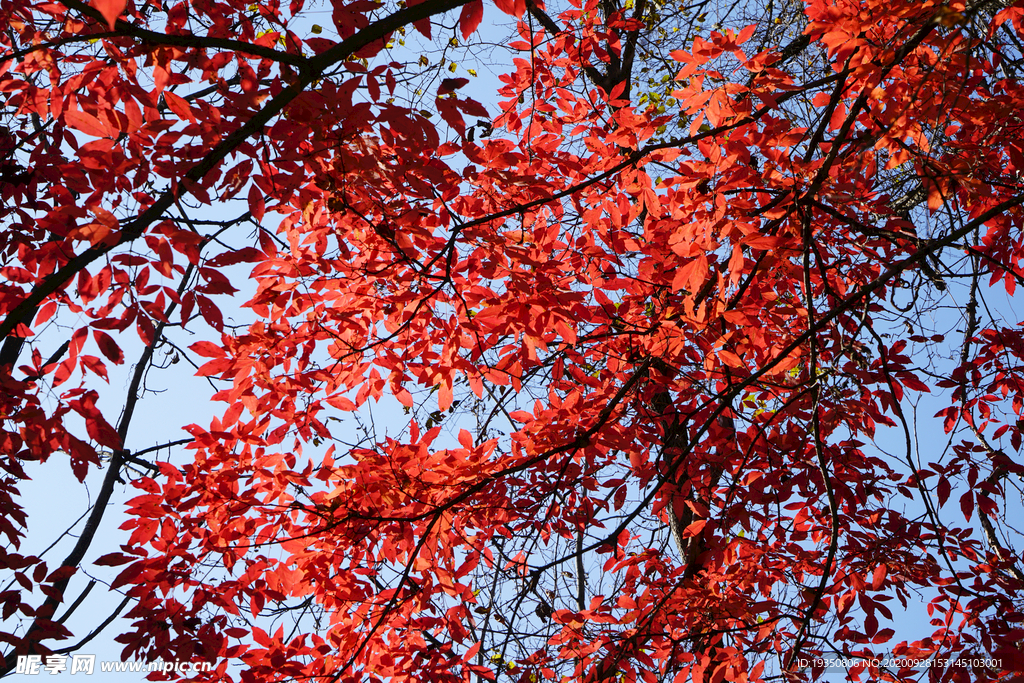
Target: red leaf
[
  {"x": 23, "y": 580},
  {"x": 883, "y": 636},
  {"x": 113, "y": 560},
  {"x": 514, "y": 7},
  {"x": 61, "y": 573},
  {"x": 967, "y": 504},
  {"x": 179, "y": 106},
  {"x": 145, "y": 530},
  {"x": 341, "y": 403},
  {"x": 451, "y": 84},
  {"x": 230, "y": 258},
  {"x": 423, "y": 26},
  {"x": 63, "y": 372},
  {"x": 256, "y": 205},
  {"x": 145, "y": 329},
  {"x": 95, "y": 424},
  {"x": 210, "y": 312},
  {"x": 694, "y": 528},
  {"x": 214, "y": 367},
  {"x": 88, "y": 124},
  {"x": 943, "y": 488},
  {"x": 471, "y": 16},
  {"x": 879, "y": 576},
  {"x": 129, "y": 575},
  {"x": 94, "y": 232},
  {"x": 46, "y": 312},
  {"x": 207, "y": 349},
  {"x": 110, "y": 9},
  {"x": 95, "y": 365},
  {"x": 108, "y": 347},
  {"x": 471, "y": 652}
]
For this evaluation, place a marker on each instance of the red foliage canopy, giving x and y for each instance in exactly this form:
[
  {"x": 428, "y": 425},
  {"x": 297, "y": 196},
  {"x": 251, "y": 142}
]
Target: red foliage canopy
[{"x": 644, "y": 333}]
